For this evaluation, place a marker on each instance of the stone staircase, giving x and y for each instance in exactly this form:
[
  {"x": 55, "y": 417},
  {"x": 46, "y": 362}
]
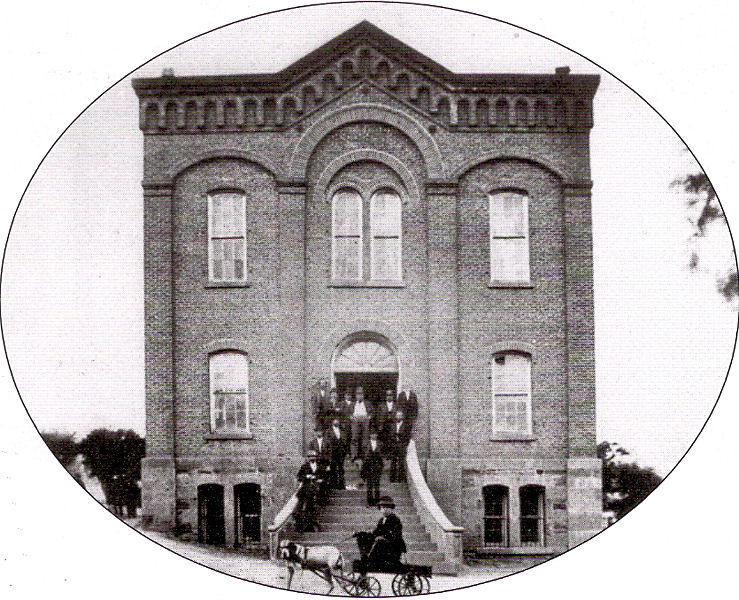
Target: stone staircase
[{"x": 346, "y": 512}]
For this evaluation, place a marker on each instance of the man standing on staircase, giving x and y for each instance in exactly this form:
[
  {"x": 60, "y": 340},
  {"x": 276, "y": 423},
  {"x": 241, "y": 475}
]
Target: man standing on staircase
[
  {"x": 372, "y": 469},
  {"x": 338, "y": 447},
  {"x": 400, "y": 435},
  {"x": 360, "y": 423},
  {"x": 310, "y": 478}
]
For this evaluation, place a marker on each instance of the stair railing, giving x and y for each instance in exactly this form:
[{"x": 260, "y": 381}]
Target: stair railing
[
  {"x": 448, "y": 537},
  {"x": 281, "y": 518}
]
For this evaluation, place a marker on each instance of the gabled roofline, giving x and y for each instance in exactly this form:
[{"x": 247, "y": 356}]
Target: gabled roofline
[{"x": 366, "y": 32}]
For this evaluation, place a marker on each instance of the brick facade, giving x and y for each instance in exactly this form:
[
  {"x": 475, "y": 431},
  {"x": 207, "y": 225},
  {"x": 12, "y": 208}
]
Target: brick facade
[{"x": 366, "y": 109}]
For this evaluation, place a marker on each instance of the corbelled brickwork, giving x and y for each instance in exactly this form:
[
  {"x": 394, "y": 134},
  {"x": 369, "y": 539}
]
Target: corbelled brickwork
[{"x": 359, "y": 111}]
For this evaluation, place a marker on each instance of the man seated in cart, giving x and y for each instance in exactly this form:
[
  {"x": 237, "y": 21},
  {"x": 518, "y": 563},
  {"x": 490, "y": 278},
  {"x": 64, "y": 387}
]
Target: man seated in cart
[{"x": 381, "y": 549}]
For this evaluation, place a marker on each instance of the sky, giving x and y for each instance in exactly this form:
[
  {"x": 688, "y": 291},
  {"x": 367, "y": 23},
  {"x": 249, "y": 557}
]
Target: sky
[{"x": 72, "y": 307}]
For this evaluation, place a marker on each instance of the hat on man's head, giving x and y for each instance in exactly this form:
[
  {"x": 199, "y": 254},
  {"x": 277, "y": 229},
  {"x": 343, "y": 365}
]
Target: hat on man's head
[
  {"x": 386, "y": 501},
  {"x": 312, "y": 454}
]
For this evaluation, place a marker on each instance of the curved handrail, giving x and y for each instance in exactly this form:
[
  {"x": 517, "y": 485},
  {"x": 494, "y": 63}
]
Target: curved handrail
[
  {"x": 279, "y": 522},
  {"x": 418, "y": 482}
]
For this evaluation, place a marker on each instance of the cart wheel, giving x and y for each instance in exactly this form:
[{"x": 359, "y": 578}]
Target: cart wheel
[
  {"x": 367, "y": 586},
  {"x": 348, "y": 583},
  {"x": 426, "y": 584},
  {"x": 408, "y": 584}
]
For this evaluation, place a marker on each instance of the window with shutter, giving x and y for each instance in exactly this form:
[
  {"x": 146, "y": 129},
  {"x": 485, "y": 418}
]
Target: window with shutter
[
  {"x": 229, "y": 391},
  {"x": 511, "y": 393},
  {"x": 509, "y": 237}
]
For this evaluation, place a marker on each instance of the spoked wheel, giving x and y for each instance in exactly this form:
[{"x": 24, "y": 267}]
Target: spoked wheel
[
  {"x": 368, "y": 586},
  {"x": 348, "y": 583},
  {"x": 410, "y": 584},
  {"x": 426, "y": 584}
]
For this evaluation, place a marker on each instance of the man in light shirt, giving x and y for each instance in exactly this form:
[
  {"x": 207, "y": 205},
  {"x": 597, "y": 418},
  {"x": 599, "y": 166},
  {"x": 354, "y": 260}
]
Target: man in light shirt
[{"x": 360, "y": 423}]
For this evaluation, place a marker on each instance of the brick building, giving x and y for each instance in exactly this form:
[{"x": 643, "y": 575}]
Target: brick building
[{"x": 366, "y": 216}]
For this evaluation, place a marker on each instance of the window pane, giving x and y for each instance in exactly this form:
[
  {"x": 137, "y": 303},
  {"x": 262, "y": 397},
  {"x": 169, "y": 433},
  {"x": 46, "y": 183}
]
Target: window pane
[
  {"x": 508, "y": 214},
  {"x": 346, "y": 258},
  {"x": 386, "y": 258},
  {"x": 386, "y": 214},
  {"x": 228, "y": 235},
  {"x": 347, "y": 213},
  {"x": 512, "y": 375},
  {"x": 229, "y": 380},
  {"x": 509, "y": 259}
]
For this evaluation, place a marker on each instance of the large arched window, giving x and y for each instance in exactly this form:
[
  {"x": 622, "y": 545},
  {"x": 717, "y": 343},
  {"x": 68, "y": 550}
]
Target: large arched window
[
  {"x": 227, "y": 236},
  {"x": 229, "y": 391},
  {"x": 509, "y": 237},
  {"x": 347, "y": 235},
  {"x": 511, "y": 377},
  {"x": 386, "y": 232}
]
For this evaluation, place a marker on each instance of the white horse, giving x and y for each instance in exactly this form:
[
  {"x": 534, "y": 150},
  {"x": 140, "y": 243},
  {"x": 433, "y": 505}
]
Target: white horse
[{"x": 324, "y": 561}]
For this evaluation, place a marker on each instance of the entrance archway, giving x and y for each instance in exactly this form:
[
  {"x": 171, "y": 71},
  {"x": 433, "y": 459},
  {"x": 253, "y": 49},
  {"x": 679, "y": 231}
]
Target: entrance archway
[{"x": 369, "y": 360}]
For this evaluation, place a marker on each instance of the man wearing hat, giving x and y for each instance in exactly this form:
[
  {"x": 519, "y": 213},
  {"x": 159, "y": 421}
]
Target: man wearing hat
[
  {"x": 320, "y": 446},
  {"x": 310, "y": 478},
  {"x": 388, "y": 543},
  {"x": 338, "y": 447}
]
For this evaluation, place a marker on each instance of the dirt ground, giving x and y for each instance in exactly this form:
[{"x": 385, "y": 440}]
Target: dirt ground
[{"x": 262, "y": 570}]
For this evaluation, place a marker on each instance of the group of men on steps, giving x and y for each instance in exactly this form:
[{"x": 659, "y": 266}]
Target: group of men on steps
[{"x": 376, "y": 431}]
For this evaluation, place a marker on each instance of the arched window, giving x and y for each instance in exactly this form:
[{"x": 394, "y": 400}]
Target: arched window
[
  {"x": 495, "y": 525},
  {"x": 227, "y": 236},
  {"x": 509, "y": 237},
  {"x": 347, "y": 236},
  {"x": 229, "y": 391},
  {"x": 386, "y": 228},
  {"x": 511, "y": 375},
  {"x": 531, "y": 499}
]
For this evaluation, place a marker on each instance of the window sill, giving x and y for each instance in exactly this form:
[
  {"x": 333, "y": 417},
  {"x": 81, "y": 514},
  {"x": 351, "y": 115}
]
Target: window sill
[
  {"x": 227, "y": 284},
  {"x": 229, "y": 435},
  {"x": 519, "y": 550},
  {"x": 497, "y": 283},
  {"x": 513, "y": 437},
  {"x": 376, "y": 283}
]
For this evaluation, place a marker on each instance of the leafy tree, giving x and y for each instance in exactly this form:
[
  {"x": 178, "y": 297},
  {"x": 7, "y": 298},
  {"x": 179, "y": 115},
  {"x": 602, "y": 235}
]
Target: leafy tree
[
  {"x": 705, "y": 210},
  {"x": 625, "y": 484},
  {"x": 114, "y": 457},
  {"x": 62, "y": 445}
]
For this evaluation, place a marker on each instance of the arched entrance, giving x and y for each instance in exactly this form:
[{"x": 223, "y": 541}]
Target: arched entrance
[{"x": 369, "y": 360}]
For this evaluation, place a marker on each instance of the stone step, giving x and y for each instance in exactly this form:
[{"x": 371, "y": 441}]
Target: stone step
[
  {"x": 350, "y": 547},
  {"x": 348, "y": 528},
  {"x": 416, "y": 557},
  {"x": 361, "y": 517}
]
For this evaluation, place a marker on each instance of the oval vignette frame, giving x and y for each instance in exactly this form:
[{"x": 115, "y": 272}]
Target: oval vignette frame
[{"x": 509, "y": 581}]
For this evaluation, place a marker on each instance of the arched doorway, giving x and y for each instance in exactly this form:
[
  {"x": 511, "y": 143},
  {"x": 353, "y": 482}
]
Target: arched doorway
[{"x": 369, "y": 360}]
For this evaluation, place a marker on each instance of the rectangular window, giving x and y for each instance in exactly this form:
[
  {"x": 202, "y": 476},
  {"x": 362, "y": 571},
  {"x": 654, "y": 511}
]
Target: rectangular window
[
  {"x": 512, "y": 393},
  {"x": 386, "y": 228},
  {"x": 227, "y": 237},
  {"x": 532, "y": 515},
  {"x": 229, "y": 391},
  {"x": 509, "y": 237},
  {"x": 347, "y": 235},
  {"x": 495, "y": 498}
]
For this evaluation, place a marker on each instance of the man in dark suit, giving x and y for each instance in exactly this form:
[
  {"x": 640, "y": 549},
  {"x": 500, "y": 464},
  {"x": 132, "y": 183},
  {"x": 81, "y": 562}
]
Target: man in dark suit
[
  {"x": 387, "y": 544},
  {"x": 410, "y": 409},
  {"x": 385, "y": 416},
  {"x": 328, "y": 409},
  {"x": 320, "y": 445},
  {"x": 310, "y": 478},
  {"x": 400, "y": 435},
  {"x": 338, "y": 447},
  {"x": 371, "y": 470},
  {"x": 346, "y": 410}
]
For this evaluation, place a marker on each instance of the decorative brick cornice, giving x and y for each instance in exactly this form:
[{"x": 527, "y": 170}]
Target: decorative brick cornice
[{"x": 520, "y": 154}]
